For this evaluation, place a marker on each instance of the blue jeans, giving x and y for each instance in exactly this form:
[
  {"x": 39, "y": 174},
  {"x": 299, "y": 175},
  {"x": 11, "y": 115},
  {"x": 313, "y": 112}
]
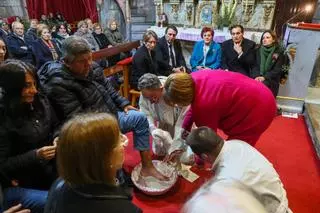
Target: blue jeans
[
  {"x": 138, "y": 123},
  {"x": 32, "y": 199}
]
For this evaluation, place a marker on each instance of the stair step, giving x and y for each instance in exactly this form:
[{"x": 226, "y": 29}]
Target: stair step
[
  {"x": 312, "y": 118},
  {"x": 140, "y": 26},
  {"x": 138, "y": 19}
]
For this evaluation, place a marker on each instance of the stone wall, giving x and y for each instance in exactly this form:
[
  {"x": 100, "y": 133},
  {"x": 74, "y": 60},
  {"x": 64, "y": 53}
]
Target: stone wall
[{"x": 13, "y": 8}]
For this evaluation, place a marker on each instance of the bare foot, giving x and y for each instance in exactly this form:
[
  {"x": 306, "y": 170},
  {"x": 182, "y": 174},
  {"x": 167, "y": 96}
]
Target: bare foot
[{"x": 152, "y": 171}]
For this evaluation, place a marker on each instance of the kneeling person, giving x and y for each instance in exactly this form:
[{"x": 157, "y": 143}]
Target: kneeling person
[
  {"x": 236, "y": 160},
  {"x": 165, "y": 121}
]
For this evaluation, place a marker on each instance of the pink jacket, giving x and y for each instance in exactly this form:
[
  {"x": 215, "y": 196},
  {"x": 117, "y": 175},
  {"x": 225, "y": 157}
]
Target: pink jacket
[{"x": 240, "y": 106}]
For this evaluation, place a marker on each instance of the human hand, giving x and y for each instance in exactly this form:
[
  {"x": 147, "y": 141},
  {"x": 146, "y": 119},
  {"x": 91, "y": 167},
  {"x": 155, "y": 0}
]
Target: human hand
[
  {"x": 184, "y": 134},
  {"x": 46, "y": 152},
  {"x": 200, "y": 67},
  {"x": 16, "y": 209},
  {"x": 55, "y": 141},
  {"x": 260, "y": 78},
  {"x": 173, "y": 156},
  {"x": 238, "y": 48},
  {"x": 129, "y": 107}
]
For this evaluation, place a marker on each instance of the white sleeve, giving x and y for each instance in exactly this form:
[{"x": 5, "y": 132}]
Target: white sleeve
[
  {"x": 145, "y": 108},
  {"x": 178, "y": 126}
]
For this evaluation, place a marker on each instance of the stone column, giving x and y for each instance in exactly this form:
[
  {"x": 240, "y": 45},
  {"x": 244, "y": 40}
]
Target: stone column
[
  {"x": 13, "y": 8},
  {"x": 316, "y": 17}
]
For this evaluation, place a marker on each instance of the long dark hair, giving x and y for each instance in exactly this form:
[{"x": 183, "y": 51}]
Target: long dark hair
[
  {"x": 12, "y": 81},
  {"x": 7, "y": 53}
]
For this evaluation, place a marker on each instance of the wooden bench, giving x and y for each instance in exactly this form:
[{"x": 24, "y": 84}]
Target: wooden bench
[{"x": 121, "y": 66}]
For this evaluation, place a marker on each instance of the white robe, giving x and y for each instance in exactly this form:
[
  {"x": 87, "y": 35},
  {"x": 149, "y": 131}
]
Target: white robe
[
  {"x": 165, "y": 117},
  {"x": 241, "y": 162}
]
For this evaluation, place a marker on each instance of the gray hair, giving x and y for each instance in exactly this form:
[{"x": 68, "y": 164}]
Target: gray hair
[
  {"x": 149, "y": 81},
  {"x": 74, "y": 46},
  {"x": 148, "y": 35}
]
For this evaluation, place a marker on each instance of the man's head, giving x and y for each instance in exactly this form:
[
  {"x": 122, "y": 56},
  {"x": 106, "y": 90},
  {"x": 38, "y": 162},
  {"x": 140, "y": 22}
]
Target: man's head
[
  {"x": 33, "y": 23},
  {"x": 150, "y": 87},
  {"x": 171, "y": 33},
  {"x": 18, "y": 28},
  {"x": 4, "y": 25},
  {"x": 77, "y": 56},
  {"x": 236, "y": 32},
  {"x": 205, "y": 143}
]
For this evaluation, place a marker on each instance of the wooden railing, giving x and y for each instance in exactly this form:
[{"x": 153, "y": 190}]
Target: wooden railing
[
  {"x": 109, "y": 52},
  {"x": 121, "y": 66}
]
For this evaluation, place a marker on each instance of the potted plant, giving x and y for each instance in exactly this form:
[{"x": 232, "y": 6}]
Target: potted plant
[{"x": 227, "y": 12}]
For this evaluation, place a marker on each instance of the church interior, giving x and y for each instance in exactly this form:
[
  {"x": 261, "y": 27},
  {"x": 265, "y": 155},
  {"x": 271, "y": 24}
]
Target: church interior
[{"x": 189, "y": 106}]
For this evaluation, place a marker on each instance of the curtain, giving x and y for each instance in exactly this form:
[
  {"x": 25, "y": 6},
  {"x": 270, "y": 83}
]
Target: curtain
[{"x": 72, "y": 10}]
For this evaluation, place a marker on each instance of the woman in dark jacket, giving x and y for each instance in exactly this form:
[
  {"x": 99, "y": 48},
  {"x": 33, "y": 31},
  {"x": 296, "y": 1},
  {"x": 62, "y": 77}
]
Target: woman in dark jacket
[
  {"x": 144, "y": 61},
  {"x": 60, "y": 35},
  {"x": 27, "y": 124},
  {"x": 100, "y": 37},
  {"x": 44, "y": 49},
  {"x": 88, "y": 175},
  {"x": 269, "y": 61}
]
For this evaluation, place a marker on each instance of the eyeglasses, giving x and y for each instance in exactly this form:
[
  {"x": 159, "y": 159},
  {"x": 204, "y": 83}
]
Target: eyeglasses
[{"x": 152, "y": 42}]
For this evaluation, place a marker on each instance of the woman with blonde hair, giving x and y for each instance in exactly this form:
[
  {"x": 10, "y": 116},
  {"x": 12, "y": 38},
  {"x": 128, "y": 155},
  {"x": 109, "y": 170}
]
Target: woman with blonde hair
[
  {"x": 113, "y": 34},
  {"x": 89, "y": 153},
  {"x": 44, "y": 48},
  {"x": 242, "y": 107}
]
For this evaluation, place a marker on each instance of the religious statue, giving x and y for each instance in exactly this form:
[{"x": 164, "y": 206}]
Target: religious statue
[{"x": 163, "y": 20}]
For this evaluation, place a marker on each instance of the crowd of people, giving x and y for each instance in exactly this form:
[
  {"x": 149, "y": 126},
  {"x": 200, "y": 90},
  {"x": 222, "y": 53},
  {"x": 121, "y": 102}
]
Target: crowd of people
[{"x": 61, "y": 119}]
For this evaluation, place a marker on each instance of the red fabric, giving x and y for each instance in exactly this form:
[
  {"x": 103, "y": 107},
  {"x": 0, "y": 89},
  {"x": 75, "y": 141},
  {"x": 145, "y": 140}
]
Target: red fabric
[
  {"x": 286, "y": 144},
  {"x": 71, "y": 10},
  {"x": 242, "y": 107},
  {"x": 125, "y": 61}
]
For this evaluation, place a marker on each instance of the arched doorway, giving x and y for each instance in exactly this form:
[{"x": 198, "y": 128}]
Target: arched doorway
[{"x": 110, "y": 9}]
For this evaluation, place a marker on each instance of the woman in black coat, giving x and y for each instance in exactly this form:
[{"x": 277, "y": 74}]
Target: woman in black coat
[
  {"x": 88, "y": 176},
  {"x": 269, "y": 61},
  {"x": 44, "y": 48},
  {"x": 144, "y": 61},
  {"x": 27, "y": 126}
]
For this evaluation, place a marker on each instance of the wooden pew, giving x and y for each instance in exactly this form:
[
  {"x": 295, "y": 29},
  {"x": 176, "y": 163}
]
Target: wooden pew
[{"x": 121, "y": 66}]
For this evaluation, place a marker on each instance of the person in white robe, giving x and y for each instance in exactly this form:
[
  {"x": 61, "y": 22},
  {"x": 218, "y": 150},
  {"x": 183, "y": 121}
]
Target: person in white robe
[
  {"x": 236, "y": 160},
  {"x": 165, "y": 121},
  {"x": 224, "y": 197}
]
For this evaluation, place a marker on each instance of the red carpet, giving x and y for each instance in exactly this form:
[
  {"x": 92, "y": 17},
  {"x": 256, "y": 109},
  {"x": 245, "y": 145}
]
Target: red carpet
[{"x": 286, "y": 144}]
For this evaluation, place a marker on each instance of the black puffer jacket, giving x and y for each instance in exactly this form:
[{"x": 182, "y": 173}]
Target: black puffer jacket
[
  {"x": 97, "y": 198},
  {"x": 21, "y": 135},
  {"x": 71, "y": 94}
]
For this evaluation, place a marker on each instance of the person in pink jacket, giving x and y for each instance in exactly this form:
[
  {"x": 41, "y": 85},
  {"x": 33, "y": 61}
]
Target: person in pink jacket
[{"x": 241, "y": 107}]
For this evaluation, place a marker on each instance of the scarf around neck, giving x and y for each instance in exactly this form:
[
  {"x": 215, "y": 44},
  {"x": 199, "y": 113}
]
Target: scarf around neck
[{"x": 266, "y": 58}]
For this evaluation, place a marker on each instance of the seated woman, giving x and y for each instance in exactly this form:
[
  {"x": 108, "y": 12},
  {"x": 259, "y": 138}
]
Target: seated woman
[
  {"x": 88, "y": 175},
  {"x": 206, "y": 53},
  {"x": 100, "y": 37},
  {"x": 113, "y": 34},
  {"x": 60, "y": 35},
  {"x": 3, "y": 51},
  {"x": 144, "y": 61},
  {"x": 83, "y": 32},
  {"x": 269, "y": 61},
  {"x": 44, "y": 49},
  {"x": 27, "y": 124}
]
